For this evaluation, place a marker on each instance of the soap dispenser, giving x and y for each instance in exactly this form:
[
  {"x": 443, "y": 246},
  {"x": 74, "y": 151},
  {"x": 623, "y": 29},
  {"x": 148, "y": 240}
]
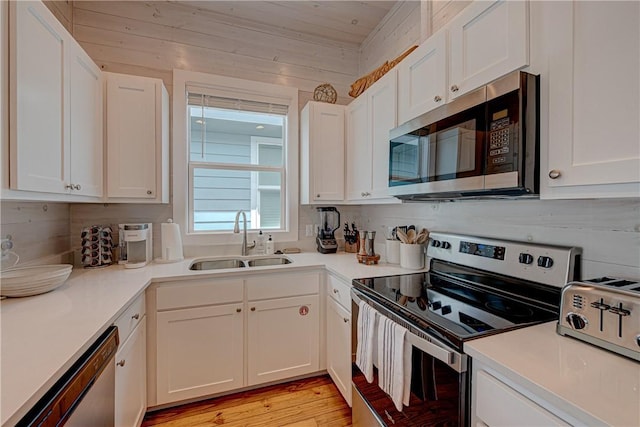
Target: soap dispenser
[
  {"x": 260, "y": 244},
  {"x": 270, "y": 249}
]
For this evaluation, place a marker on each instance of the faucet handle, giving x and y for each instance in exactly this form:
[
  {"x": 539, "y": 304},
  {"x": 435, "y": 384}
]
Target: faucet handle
[{"x": 251, "y": 245}]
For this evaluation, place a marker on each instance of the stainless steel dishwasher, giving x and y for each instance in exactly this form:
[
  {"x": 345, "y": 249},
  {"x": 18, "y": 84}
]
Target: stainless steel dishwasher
[{"x": 85, "y": 394}]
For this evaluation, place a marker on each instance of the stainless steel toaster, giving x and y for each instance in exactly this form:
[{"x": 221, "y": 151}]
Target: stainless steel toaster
[{"x": 604, "y": 312}]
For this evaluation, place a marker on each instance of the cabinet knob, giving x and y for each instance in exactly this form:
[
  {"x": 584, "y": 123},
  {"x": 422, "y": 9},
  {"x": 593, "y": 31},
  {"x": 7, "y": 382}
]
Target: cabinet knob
[
  {"x": 121, "y": 363},
  {"x": 253, "y": 309},
  {"x": 149, "y": 192},
  {"x": 554, "y": 174},
  {"x": 69, "y": 186},
  {"x": 345, "y": 320},
  {"x": 437, "y": 98},
  {"x": 77, "y": 187},
  {"x": 238, "y": 310},
  {"x": 136, "y": 316},
  {"x": 335, "y": 291},
  {"x": 363, "y": 194},
  {"x": 317, "y": 196},
  {"x": 454, "y": 88}
]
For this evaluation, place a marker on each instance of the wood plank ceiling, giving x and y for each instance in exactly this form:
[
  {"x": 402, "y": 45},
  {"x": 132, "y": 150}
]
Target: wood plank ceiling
[{"x": 293, "y": 43}]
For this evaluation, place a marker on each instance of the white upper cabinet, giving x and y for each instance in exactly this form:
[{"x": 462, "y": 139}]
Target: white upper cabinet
[
  {"x": 86, "y": 95},
  {"x": 137, "y": 138},
  {"x": 488, "y": 39},
  {"x": 590, "y": 98},
  {"x": 358, "y": 170},
  {"x": 56, "y": 107},
  {"x": 322, "y": 153},
  {"x": 422, "y": 78},
  {"x": 370, "y": 117}
]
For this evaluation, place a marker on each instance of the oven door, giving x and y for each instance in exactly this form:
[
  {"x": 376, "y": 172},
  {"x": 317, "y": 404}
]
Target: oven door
[{"x": 439, "y": 388}]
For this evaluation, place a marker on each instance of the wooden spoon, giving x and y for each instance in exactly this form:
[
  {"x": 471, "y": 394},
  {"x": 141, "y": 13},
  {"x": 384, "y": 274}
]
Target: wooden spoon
[
  {"x": 402, "y": 236},
  {"x": 411, "y": 236},
  {"x": 422, "y": 236}
]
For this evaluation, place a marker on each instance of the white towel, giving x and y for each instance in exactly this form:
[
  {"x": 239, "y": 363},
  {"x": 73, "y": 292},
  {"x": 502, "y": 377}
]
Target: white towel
[
  {"x": 365, "y": 330},
  {"x": 394, "y": 361}
]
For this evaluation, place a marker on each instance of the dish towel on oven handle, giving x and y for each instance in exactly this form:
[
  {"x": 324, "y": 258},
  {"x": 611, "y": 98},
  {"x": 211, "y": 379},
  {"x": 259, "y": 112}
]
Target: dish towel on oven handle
[
  {"x": 394, "y": 361},
  {"x": 366, "y": 335}
]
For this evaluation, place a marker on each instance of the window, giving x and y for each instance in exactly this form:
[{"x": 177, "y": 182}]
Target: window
[{"x": 238, "y": 153}]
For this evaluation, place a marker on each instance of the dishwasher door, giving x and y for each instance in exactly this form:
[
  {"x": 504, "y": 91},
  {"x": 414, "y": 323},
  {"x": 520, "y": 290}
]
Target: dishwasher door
[{"x": 85, "y": 395}]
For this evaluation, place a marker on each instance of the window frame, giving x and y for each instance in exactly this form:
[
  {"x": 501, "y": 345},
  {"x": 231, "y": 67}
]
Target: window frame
[{"x": 233, "y": 88}]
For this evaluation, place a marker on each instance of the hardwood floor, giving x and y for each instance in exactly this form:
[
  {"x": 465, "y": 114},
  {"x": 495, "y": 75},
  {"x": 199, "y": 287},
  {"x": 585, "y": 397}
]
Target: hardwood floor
[{"x": 312, "y": 402}]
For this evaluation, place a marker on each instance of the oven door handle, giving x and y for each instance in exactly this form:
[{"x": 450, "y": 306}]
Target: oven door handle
[{"x": 451, "y": 358}]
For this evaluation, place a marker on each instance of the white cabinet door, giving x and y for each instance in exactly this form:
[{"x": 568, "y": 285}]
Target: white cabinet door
[
  {"x": 85, "y": 94},
  {"x": 322, "y": 154},
  {"x": 199, "y": 352},
  {"x": 283, "y": 338},
  {"x": 39, "y": 141},
  {"x": 136, "y": 140},
  {"x": 358, "y": 170},
  {"x": 382, "y": 118},
  {"x": 422, "y": 78},
  {"x": 488, "y": 39},
  {"x": 339, "y": 347},
  {"x": 593, "y": 100},
  {"x": 131, "y": 378}
]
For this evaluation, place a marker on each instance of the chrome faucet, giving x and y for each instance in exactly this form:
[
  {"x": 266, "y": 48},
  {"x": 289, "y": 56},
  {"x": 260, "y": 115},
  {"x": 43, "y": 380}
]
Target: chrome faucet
[{"x": 236, "y": 229}]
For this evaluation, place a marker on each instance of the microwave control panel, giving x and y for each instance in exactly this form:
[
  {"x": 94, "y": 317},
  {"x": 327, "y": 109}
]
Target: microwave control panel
[{"x": 501, "y": 144}]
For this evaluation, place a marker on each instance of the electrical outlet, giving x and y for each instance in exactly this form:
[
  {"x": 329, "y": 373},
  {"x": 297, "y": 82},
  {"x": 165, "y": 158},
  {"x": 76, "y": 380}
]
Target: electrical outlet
[{"x": 309, "y": 230}]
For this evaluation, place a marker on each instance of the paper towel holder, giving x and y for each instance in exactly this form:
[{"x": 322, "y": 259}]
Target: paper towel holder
[{"x": 171, "y": 242}]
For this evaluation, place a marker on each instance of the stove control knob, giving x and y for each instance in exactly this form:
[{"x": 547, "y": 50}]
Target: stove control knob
[
  {"x": 446, "y": 245},
  {"x": 545, "y": 262},
  {"x": 436, "y": 305},
  {"x": 436, "y": 243},
  {"x": 446, "y": 309},
  {"x": 525, "y": 258},
  {"x": 577, "y": 321},
  {"x": 638, "y": 340}
]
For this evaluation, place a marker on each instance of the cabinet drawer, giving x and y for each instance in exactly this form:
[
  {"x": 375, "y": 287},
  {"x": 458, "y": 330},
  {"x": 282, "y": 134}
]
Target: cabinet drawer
[
  {"x": 283, "y": 285},
  {"x": 130, "y": 318},
  {"x": 339, "y": 291},
  {"x": 195, "y": 293},
  {"x": 500, "y": 405}
]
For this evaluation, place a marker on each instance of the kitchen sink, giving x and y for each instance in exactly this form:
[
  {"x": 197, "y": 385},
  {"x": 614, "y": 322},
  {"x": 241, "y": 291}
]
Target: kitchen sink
[
  {"x": 258, "y": 262},
  {"x": 220, "y": 263},
  {"x": 217, "y": 264}
]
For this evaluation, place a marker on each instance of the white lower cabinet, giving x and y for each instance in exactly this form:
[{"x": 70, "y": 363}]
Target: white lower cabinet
[
  {"x": 495, "y": 403},
  {"x": 339, "y": 329},
  {"x": 131, "y": 379},
  {"x": 199, "y": 351},
  {"x": 283, "y": 338},
  {"x": 131, "y": 366},
  {"x": 211, "y": 336}
]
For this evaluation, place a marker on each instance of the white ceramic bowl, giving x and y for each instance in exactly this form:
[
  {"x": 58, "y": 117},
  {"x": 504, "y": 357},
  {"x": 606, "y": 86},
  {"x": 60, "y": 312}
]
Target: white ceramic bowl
[{"x": 28, "y": 281}]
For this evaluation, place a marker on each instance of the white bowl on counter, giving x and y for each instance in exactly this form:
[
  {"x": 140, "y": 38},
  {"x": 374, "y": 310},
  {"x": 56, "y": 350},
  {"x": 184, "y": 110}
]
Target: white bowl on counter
[{"x": 35, "y": 280}]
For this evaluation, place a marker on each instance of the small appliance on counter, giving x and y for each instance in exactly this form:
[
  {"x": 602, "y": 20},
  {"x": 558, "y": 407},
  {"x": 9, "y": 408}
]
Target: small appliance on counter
[
  {"x": 604, "y": 312},
  {"x": 136, "y": 248},
  {"x": 97, "y": 244},
  {"x": 329, "y": 222}
]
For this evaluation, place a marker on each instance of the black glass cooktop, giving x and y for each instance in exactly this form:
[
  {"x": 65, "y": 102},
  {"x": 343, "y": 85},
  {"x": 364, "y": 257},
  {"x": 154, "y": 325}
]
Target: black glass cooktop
[{"x": 462, "y": 303}]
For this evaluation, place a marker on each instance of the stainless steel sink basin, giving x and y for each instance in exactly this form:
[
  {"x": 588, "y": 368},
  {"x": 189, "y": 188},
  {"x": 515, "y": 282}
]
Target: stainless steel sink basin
[
  {"x": 216, "y": 264},
  {"x": 258, "y": 262}
]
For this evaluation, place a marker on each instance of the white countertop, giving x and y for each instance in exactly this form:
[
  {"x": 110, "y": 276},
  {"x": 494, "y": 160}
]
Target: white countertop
[
  {"x": 41, "y": 336},
  {"x": 594, "y": 386}
]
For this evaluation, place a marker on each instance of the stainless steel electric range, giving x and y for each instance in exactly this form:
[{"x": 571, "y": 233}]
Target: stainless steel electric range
[{"x": 475, "y": 287}]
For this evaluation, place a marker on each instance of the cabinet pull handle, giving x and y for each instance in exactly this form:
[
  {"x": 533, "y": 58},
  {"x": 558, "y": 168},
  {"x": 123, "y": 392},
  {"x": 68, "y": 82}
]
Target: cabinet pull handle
[
  {"x": 238, "y": 310},
  {"x": 345, "y": 320},
  {"x": 454, "y": 88},
  {"x": 121, "y": 363},
  {"x": 136, "y": 316},
  {"x": 437, "y": 98},
  {"x": 335, "y": 291},
  {"x": 69, "y": 186},
  {"x": 554, "y": 174},
  {"x": 253, "y": 309},
  {"x": 149, "y": 192}
]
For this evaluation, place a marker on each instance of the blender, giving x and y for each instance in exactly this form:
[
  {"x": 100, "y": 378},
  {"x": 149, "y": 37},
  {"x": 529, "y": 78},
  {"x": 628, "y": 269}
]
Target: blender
[{"x": 329, "y": 223}]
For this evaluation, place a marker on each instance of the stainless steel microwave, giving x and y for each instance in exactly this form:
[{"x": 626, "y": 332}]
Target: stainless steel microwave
[{"x": 482, "y": 144}]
